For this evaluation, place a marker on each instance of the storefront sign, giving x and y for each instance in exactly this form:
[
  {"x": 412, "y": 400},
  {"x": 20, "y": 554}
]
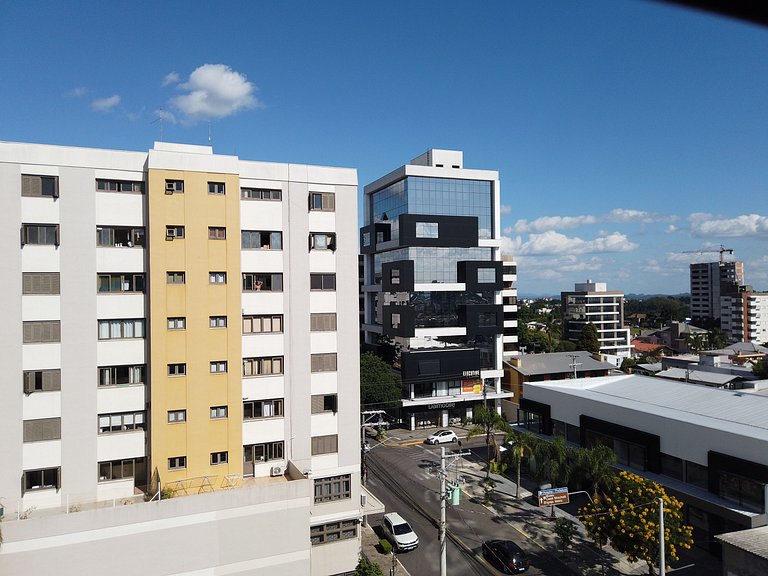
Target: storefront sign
[
  {"x": 471, "y": 387},
  {"x": 470, "y": 373},
  {"x": 441, "y": 406}
]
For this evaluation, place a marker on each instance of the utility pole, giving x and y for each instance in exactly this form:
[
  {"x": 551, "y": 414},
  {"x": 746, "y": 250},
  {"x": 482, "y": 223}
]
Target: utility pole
[
  {"x": 662, "y": 542},
  {"x": 573, "y": 364},
  {"x": 443, "y": 497}
]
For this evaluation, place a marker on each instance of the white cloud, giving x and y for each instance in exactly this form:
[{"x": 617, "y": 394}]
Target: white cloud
[
  {"x": 707, "y": 225},
  {"x": 625, "y": 215},
  {"x": 552, "y": 242},
  {"x": 506, "y": 209},
  {"x": 105, "y": 104},
  {"x": 78, "y": 92},
  {"x": 671, "y": 229},
  {"x": 214, "y": 91},
  {"x": 171, "y": 78},
  {"x": 552, "y": 223}
]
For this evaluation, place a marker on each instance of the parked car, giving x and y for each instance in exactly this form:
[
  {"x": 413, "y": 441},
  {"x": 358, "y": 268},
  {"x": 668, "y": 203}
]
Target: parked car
[
  {"x": 399, "y": 532},
  {"x": 506, "y": 556},
  {"x": 442, "y": 436}
]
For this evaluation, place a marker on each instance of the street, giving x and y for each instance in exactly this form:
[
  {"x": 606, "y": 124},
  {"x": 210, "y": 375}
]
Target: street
[{"x": 405, "y": 478}]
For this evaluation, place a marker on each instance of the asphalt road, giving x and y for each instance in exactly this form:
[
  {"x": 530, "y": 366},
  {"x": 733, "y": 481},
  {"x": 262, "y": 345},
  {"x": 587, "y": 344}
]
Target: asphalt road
[{"x": 404, "y": 478}]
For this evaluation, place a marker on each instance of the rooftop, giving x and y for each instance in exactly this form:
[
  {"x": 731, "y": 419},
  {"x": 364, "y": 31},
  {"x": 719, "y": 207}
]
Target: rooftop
[
  {"x": 558, "y": 363},
  {"x": 754, "y": 541}
]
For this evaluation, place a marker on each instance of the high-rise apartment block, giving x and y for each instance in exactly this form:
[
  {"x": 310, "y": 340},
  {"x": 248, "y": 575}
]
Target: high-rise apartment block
[
  {"x": 710, "y": 281},
  {"x": 592, "y": 303},
  {"x": 433, "y": 282},
  {"x": 744, "y": 315},
  {"x": 174, "y": 320}
]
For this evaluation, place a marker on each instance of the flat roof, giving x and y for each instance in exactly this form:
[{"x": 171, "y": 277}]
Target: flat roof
[
  {"x": 558, "y": 363},
  {"x": 714, "y": 378},
  {"x": 735, "y": 411}
]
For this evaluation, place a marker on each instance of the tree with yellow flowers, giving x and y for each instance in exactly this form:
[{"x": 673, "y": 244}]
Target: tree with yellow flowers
[{"x": 628, "y": 516}]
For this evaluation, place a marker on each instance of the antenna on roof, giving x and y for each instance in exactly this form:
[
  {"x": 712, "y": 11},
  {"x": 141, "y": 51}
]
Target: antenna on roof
[
  {"x": 160, "y": 118},
  {"x": 573, "y": 364},
  {"x": 209, "y": 132}
]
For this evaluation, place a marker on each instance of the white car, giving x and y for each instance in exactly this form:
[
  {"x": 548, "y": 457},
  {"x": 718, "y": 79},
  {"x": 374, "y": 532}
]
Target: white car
[
  {"x": 442, "y": 436},
  {"x": 399, "y": 532}
]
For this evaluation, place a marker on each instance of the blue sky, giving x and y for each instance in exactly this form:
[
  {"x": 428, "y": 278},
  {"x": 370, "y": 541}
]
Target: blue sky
[{"x": 626, "y": 132}]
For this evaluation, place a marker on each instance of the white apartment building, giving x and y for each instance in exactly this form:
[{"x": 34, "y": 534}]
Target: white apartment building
[
  {"x": 592, "y": 302},
  {"x": 173, "y": 322}
]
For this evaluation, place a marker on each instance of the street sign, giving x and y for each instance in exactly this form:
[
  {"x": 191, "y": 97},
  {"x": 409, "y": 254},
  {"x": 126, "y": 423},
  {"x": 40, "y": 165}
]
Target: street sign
[{"x": 553, "y": 497}]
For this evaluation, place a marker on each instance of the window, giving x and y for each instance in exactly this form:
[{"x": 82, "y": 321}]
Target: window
[
  {"x": 697, "y": 475},
  {"x": 40, "y": 234},
  {"x": 175, "y": 416},
  {"x": 217, "y": 321},
  {"x": 324, "y": 201},
  {"x": 253, "y": 409},
  {"x": 120, "y": 329},
  {"x": 218, "y": 412},
  {"x": 486, "y": 275},
  {"x": 260, "y": 194},
  {"x": 366, "y": 239},
  {"x": 39, "y": 186},
  {"x": 322, "y": 282},
  {"x": 119, "y": 186},
  {"x": 120, "y": 283},
  {"x": 40, "y": 283},
  {"x": 175, "y": 277},
  {"x": 260, "y": 324},
  {"x": 263, "y": 366},
  {"x": 216, "y": 187},
  {"x": 174, "y": 186},
  {"x": 177, "y": 369},
  {"x": 219, "y": 458},
  {"x": 42, "y": 479},
  {"x": 486, "y": 319},
  {"x": 177, "y": 323},
  {"x": 219, "y": 367},
  {"x": 322, "y": 321},
  {"x": 333, "y": 487},
  {"x": 42, "y": 429},
  {"x": 324, "y": 362},
  {"x": 120, "y": 236},
  {"x": 122, "y": 469},
  {"x": 427, "y": 230},
  {"x": 172, "y": 232},
  {"x": 255, "y": 282},
  {"x": 333, "y": 531},
  {"x": 41, "y": 380},
  {"x": 325, "y": 444},
  {"x": 324, "y": 403},
  {"x": 121, "y": 422},
  {"x": 217, "y": 233},
  {"x": 217, "y": 277},
  {"x": 122, "y": 375},
  {"x": 257, "y": 240},
  {"x": 395, "y": 320},
  {"x": 394, "y": 276},
  {"x": 322, "y": 241},
  {"x": 177, "y": 463},
  {"x": 42, "y": 331},
  {"x": 263, "y": 452}
]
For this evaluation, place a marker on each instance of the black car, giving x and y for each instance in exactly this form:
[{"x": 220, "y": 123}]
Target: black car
[{"x": 506, "y": 556}]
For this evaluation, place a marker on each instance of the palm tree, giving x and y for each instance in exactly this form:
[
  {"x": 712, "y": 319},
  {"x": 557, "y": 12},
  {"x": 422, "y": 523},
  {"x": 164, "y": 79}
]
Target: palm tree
[
  {"x": 596, "y": 466},
  {"x": 554, "y": 459},
  {"x": 489, "y": 422},
  {"x": 520, "y": 445}
]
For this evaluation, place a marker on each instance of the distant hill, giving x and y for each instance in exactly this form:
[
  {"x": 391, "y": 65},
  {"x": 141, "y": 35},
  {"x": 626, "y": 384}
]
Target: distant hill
[{"x": 647, "y": 296}]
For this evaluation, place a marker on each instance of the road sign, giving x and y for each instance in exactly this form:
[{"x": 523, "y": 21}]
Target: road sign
[{"x": 553, "y": 497}]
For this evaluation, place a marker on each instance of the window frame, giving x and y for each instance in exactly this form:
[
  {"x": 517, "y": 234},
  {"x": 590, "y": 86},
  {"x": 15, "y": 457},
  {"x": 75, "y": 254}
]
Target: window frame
[
  {"x": 261, "y": 281},
  {"x": 177, "y": 416},
  {"x": 217, "y": 322},
  {"x": 136, "y": 186},
  {"x": 177, "y": 463},
  {"x": 173, "y": 277},
  {"x": 322, "y": 202},
  {"x": 44, "y": 473},
  {"x": 218, "y": 366},
  {"x": 52, "y": 232},
  {"x": 173, "y": 186},
  {"x": 133, "y": 279},
  {"x": 261, "y": 362},
  {"x": 123, "y": 324},
  {"x": 138, "y": 421},
  {"x": 217, "y": 278},
  {"x": 327, "y": 244},
  {"x": 173, "y": 232},
  {"x": 261, "y": 239},
  {"x": 219, "y": 458},
  {"x": 219, "y": 412},
  {"x": 276, "y": 409},
  {"x": 112, "y": 372},
  {"x": 323, "y": 280},
  {"x": 217, "y": 188},
  {"x": 40, "y": 283},
  {"x": 130, "y": 236},
  {"x": 32, "y": 186},
  {"x": 44, "y": 380},
  {"x": 176, "y": 369},
  {"x": 332, "y": 488},
  {"x": 323, "y": 361},
  {"x": 319, "y": 320},
  {"x": 177, "y": 323},
  {"x": 262, "y": 319},
  {"x": 217, "y": 232},
  {"x": 247, "y": 193}
]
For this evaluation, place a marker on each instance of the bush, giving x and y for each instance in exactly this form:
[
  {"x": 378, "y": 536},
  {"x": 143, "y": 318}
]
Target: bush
[{"x": 386, "y": 545}]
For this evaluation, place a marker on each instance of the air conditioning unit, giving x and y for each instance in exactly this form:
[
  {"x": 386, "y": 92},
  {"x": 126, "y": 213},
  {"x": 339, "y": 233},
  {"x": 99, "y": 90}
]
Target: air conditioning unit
[
  {"x": 170, "y": 187},
  {"x": 170, "y": 233},
  {"x": 276, "y": 471}
]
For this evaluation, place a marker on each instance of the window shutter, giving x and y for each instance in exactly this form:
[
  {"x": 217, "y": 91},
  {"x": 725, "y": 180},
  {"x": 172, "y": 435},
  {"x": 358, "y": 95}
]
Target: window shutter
[
  {"x": 51, "y": 380},
  {"x": 31, "y": 185},
  {"x": 329, "y": 202}
]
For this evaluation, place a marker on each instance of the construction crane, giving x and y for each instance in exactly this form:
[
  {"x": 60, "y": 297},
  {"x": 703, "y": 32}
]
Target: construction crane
[{"x": 722, "y": 250}]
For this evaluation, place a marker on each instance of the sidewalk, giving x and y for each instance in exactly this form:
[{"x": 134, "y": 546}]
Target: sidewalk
[
  {"x": 533, "y": 522},
  {"x": 372, "y": 551}
]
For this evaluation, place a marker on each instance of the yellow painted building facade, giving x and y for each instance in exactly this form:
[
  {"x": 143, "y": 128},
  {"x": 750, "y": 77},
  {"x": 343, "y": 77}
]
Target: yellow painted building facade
[{"x": 195, "y": 338}]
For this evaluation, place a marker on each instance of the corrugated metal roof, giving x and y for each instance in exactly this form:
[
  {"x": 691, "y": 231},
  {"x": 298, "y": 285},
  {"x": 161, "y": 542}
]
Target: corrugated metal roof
[
  {"x": 754, "y": 541},
  {"x": 731, "y": 410},
  {"x": 559, "y": 363},
  {"x": 714, "y": 378}
]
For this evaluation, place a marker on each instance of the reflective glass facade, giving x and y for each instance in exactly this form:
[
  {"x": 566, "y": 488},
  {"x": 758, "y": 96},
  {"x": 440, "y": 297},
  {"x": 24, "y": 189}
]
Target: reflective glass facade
[
  {"x": 440, "y": 309},
  {"x": 435, "y": 196},
  {"x": 431, "y": 265}
]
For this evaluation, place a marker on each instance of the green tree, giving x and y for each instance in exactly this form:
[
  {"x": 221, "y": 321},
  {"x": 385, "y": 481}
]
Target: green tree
[
  {"x": 367, "y": 568},
  {"x": 565, "y": 530},
  {"x": 628, "y": 516},
  {"x": 565, "y": 346},
  {"x": 520, "y": 445},
  {"x": 554, "y": 461},
  {"x": 378, "y": 383},
  {"x": 489, "y": 422},
  {"x": 588, "y": 339},
  {"x": 627, "y": 364},
  {"x": 697, "y": 341},
  {"x": 761, "y": 370},
  {"x": 595, "y": 466}
]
